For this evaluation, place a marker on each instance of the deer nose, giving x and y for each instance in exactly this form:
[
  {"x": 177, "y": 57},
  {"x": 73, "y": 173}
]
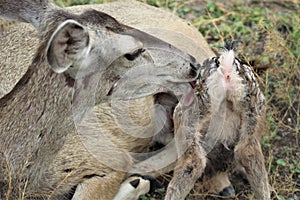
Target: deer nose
[
  {"x": 194, "y": 64},
  {"x": 195, "y": 67}
]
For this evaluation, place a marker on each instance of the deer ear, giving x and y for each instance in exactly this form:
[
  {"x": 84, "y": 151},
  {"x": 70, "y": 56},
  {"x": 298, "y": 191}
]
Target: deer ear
[{"x": 68, "y": 44}]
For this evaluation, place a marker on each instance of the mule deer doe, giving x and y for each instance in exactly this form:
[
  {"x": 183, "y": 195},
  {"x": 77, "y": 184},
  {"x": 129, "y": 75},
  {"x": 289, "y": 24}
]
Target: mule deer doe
[{"x": 76, "y": 51}]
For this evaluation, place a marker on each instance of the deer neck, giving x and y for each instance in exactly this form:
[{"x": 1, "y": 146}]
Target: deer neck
[{"x": 34, "y": 117}]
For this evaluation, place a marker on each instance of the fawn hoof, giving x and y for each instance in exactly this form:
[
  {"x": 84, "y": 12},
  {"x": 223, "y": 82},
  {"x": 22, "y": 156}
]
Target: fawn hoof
[{"x": 228, "y": 191}]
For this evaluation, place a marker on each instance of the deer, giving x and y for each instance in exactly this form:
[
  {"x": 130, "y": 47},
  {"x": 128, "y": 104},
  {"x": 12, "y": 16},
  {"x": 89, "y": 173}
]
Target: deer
[{"x": 44, "y": 102}]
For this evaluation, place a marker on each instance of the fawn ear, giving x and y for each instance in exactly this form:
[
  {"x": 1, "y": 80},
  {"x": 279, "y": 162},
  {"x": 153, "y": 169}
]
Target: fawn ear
[{"x": 68, "y": 44}]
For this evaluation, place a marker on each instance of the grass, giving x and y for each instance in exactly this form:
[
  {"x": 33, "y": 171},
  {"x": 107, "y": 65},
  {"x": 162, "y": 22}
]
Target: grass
[{"x": 270, "y": 32}]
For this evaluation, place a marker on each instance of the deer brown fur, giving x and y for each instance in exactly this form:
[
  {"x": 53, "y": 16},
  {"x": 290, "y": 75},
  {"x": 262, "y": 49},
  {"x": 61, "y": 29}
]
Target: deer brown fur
[{"x": 35, "y": 121}]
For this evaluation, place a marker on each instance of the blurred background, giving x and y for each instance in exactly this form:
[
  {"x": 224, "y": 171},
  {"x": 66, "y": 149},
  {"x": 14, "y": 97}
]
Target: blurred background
[{"x": 270, "y": 35}]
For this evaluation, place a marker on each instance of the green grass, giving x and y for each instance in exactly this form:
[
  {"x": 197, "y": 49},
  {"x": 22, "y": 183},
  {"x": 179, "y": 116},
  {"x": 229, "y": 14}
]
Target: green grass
[{"x": 270, "y": 33}]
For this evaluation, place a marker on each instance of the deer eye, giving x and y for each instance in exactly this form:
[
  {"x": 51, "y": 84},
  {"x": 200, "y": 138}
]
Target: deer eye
[
  {"x": 132, "y": 56},
  {"x": 217, "y": 62}
]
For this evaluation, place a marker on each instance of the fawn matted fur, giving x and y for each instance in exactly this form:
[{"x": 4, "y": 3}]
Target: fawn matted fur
[
  {"x": 230, "y": 124},
  {"x": 36, "y": 115}
]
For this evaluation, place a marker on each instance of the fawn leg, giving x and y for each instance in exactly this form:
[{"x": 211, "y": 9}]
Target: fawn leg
[
  {"x": 189, "y": 168},
  {"x": 191, "y": 155},
  {"x": 219, "y": 164},
  {"x": 249, "y": 155},
  {"x": 219, "y": 183}
]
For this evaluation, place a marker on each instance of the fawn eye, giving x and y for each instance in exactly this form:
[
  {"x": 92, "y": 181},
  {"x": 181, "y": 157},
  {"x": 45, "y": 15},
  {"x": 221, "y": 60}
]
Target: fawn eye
[{"x": 132, "y": 56}]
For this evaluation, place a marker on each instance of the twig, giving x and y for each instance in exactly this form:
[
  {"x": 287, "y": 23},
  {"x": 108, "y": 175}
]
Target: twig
[{"x": 213, "y": 20}]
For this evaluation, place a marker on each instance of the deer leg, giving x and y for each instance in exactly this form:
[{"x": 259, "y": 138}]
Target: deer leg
[
  {"x": 249, "y": 155},
  {"x": 133, "y": 187},
  {"x": 101, "y": 188},
  {"x": 112, "y": 187},
  {"x": 189, "y": 168}
]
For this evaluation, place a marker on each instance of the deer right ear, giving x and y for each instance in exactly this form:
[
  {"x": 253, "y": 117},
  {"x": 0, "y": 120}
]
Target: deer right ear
[{"x": 68, "y": 44}]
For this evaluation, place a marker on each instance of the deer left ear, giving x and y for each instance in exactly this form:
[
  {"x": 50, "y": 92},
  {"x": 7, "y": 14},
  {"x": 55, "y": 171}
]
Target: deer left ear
[{"x": 68, "y": 44}]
